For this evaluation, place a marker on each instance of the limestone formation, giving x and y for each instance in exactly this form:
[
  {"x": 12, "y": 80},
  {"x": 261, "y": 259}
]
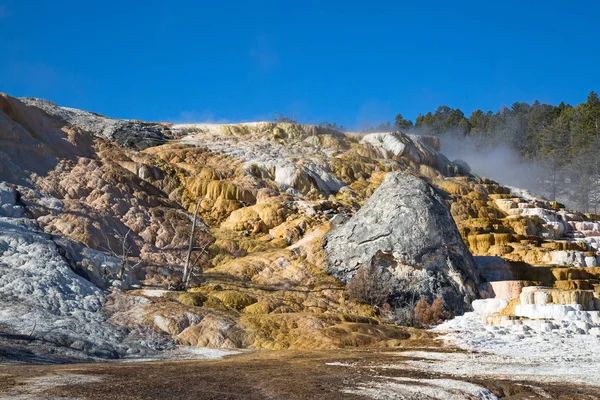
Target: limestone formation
[
  {"x": 41, "y": 296},
  {"x": 422, "y": 150},
  {"x": 406, "y": 229},
  {"x": 74, "y": 183}
]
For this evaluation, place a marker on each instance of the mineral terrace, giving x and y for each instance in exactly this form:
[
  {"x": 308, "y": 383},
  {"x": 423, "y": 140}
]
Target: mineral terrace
[{"x": 96, "y": 216}]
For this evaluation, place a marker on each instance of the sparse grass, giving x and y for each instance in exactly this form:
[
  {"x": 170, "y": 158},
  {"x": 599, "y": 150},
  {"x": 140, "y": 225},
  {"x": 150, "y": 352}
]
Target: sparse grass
[{"x": 191, "y": 299}]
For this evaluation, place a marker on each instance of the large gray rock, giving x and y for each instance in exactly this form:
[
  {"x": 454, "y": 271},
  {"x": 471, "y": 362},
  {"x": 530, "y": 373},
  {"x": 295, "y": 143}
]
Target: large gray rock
[{"x": 406, "y": 230}]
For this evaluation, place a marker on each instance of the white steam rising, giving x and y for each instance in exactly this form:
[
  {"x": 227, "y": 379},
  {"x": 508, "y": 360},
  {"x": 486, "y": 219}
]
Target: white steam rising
[{"x": 500, "y": 162}]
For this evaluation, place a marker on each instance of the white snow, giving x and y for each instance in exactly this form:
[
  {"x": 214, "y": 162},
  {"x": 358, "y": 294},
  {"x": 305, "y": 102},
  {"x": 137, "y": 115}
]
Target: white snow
[
  {"x": 535, "y": 350},
  {"x": 186, "y": 353},
  {"x": 409, "y": 388}
]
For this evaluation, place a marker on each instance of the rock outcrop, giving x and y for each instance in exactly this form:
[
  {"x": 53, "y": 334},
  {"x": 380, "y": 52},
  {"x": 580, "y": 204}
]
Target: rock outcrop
[
  {"x": 41, "y": 297},
  {"x": 422, "y": 150},
  {"x": 406, "y": 229},
  {"x": 136, "y": 135}
]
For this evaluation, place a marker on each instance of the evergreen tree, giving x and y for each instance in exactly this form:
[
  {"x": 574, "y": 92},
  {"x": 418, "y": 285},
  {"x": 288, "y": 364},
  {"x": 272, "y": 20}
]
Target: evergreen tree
[{"x": 402, "y": 124}]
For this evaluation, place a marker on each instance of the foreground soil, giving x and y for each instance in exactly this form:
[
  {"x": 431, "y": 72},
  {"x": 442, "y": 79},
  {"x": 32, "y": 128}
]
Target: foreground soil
[{"x": 257, "y": 375}]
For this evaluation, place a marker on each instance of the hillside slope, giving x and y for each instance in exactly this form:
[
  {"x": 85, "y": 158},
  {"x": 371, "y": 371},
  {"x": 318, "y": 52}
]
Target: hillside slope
[{"x": 84, "y": 187}]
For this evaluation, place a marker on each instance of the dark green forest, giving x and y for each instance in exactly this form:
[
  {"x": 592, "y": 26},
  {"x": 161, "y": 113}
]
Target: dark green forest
[{"x": 563, "y": 140}]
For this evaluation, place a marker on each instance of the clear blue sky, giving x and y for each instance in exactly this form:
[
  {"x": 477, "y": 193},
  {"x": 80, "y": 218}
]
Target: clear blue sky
[{"x": 352, "y": 62}]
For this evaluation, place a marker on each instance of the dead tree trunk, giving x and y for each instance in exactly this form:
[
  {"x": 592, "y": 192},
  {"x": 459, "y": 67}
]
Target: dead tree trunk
[
  {"x": 187, "y": 269},
  {"x": 124, "y": 257}
]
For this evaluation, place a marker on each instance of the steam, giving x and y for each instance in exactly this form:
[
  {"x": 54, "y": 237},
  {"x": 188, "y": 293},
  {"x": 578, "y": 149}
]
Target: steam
[{"x": 499, "y": 163}]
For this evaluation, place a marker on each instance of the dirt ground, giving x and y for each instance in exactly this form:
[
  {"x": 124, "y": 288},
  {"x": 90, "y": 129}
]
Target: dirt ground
[{"x": 254, "y": 375}]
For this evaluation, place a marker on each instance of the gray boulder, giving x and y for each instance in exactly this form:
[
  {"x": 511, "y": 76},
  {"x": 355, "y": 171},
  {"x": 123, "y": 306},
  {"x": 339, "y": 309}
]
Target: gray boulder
[{"x": 405, "y": 230}]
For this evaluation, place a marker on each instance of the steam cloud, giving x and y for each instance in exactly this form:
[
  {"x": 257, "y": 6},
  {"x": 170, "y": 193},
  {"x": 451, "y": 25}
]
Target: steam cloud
[{"x": 500, "y": 162}]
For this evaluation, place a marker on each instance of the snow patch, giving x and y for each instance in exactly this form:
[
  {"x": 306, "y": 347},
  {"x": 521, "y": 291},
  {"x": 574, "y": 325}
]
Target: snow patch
[
  {"x": 408, "y": 388},
  {"x": 187, "y": 353},
  {"x": 534, "y": 350}
]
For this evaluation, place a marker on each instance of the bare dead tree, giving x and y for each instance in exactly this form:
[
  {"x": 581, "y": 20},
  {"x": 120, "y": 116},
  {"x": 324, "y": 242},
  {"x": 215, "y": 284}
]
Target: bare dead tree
[
  {"x": 369, "y": 285},
  {"x": 186, "y": 269},
  {"x": 123, "y": 254},
  {"x": 201, "y": 250}
]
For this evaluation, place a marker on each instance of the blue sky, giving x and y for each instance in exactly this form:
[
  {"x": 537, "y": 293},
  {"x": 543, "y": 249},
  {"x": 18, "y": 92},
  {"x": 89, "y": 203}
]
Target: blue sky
[{"x": 352, "y": 62}]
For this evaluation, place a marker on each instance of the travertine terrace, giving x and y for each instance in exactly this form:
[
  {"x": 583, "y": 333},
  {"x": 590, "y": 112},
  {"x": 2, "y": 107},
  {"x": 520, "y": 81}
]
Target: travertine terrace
[{"x": 76, "y": 183}]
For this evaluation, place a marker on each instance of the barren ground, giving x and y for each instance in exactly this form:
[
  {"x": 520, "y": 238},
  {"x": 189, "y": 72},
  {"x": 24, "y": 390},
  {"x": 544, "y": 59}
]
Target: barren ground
[{"x": 333, "y": 374}]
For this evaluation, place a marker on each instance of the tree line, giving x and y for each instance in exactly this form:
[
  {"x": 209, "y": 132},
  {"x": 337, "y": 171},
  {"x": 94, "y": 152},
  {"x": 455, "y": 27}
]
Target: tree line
[{"x": 563, "y": 139}]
